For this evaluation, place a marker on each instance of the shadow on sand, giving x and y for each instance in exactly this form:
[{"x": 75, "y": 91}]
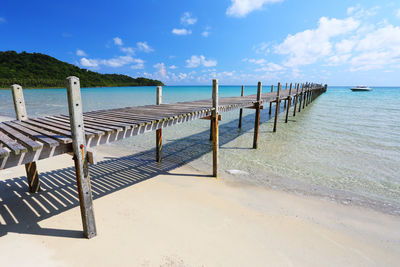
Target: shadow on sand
[{"x": 21, "y": 211}]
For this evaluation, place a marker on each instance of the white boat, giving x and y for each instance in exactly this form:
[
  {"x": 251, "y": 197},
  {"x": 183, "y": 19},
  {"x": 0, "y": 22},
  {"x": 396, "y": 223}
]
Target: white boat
[{"x": 361, "y": 88}]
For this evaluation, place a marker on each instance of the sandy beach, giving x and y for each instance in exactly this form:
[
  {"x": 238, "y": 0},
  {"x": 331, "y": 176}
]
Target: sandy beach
[{"x": 154, "y": 215}]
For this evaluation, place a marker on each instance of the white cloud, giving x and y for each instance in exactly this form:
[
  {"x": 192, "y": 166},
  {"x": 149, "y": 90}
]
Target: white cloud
[
  {"x": 161, "y": 69},
  {"x": 118, "y": 41},
  {"x": 352, "y": 9},
  {"x": 117, "y": 61},
  {"x": 173, "y": 67},
  {"x": 128, "y": 50},
  {"x": 262, "y": 48},
  {"x": 2, "y": 20},
  {"x": 345, "y": 46},
  {"x": 187, "y": 19},
  {"x": 139, "y": 64},
  {"x": 81, "y": 53},
  {"x": 358, "y": 12},
  {"x": 260, "y": 61},
  {"x": 240, "y": 8},
  {"x": 206, "y": 32},
  {"x": 143, "y": 46},
  {"x": 181, "y": 31},
  {"x": 93, "y": 63},
  {"x": 377, "y": 49},
  {"x": 310, "y": 45},
  {"x": 112, "y": 62},
  {"x": 196, "y": 61}
]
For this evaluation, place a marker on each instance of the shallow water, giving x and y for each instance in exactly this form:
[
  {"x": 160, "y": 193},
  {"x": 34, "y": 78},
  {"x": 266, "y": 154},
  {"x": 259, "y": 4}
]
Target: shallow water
[{"x": 345, "y": 145}]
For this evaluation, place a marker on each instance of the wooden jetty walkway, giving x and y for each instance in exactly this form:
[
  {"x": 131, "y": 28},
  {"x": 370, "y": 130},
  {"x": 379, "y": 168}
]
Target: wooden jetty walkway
[{"x": 27, "y": 140}]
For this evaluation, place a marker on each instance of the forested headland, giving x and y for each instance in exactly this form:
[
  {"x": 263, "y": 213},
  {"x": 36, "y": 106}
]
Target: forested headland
[{"x": 35, "y": 70}]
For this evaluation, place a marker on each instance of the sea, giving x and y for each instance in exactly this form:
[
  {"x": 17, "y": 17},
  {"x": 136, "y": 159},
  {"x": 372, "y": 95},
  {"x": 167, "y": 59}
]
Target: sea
[{"x": 344, "y": 146}]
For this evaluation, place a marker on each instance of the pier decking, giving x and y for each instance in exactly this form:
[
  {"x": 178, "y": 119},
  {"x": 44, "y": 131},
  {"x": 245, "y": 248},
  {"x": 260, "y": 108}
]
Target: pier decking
[{"x": 27, "y": 140}]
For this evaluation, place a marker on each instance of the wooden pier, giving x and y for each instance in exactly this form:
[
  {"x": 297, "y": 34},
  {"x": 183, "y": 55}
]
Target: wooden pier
[{"x": 26, "y": 140}]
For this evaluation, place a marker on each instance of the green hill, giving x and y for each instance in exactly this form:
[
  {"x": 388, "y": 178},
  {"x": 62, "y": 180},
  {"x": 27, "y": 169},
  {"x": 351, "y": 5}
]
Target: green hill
[{"x": 35, "y": 70}]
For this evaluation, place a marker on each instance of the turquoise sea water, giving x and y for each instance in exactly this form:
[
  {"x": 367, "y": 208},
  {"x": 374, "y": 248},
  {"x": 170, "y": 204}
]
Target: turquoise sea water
[{"x": 344, "y": 146}]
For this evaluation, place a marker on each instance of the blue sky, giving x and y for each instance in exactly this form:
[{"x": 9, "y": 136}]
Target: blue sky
[{"x": 237, "y": 41}]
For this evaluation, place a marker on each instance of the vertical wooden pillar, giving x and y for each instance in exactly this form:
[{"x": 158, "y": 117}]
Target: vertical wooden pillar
[
  {"x": 304, "y": 96},
  {"x": 214, "y": 119},
  {"x": 32, "y": 174},
  {"x": 277, "y": 107},
  {"x": 284, "y": 101},
  {"x": 301, "y": 96},
  {"x": 270, "y": 103},
  {"x": 241, "y": 110},
  {"x": 80, "y": 156},
  {"x": 289, "y": 101},
  {"x": 296, "y": 98},
  {"x": 159, "y": 131},
  {"x": 257, "y": 116}
]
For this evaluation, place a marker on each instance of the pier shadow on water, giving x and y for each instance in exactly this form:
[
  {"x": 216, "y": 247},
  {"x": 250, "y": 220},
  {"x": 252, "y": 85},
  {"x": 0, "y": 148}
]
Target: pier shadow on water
[{"x": 21, "y": 211}]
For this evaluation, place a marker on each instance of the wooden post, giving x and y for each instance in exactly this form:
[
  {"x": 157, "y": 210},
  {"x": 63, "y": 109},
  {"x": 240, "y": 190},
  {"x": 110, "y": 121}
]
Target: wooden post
[
  {"x": 32, "y": 174},
  {"x": 296, "y": 98},
  {"x": 304, "y": 96},
  {"x": 270, "y": 103},
  {"x": 277, "y": 107},
  {"x": 284, "y": 101},
  {"x": 289, "y": 100},
  {"x": 301, "y": 96},
  {"x": 214, "y": 119},
  {"x": 159, "y": 131},
  {"x": 257, "y": 117},
  {"x": 80, "y": 156},
  {"x": 241, "y": 110}
]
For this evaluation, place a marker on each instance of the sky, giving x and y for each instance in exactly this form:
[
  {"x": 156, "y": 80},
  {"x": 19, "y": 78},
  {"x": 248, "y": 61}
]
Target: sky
[{"x": 340, "y": 42}]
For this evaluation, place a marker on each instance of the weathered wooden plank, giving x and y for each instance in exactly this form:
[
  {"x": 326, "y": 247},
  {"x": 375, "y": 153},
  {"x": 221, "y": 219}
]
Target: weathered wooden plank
[
  {"x": 100, "y": 123},
  {"x": 60, "y": 138},
  {"x": 80, "y": 157},
  {"x": 277, "y": 107},
  {"x": 215, "y": 127},
  {"x": 19, "y": 137},
  {"x": 270, "y": 103},
  {"x": 257, "y": 116},
  {"x": 13, "y": 145},
  {"x": 89, "y": 125},
  {"x": 55, "y": 129},
  {"x": 64, "y": 125},
  {"x": 33, "y": 134},
  {"x": 159, "y": 131}
]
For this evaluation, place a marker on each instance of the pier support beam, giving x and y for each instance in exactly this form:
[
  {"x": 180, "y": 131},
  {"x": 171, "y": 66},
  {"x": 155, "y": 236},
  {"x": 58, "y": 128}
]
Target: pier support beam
[
  {"x": 270, "y": 103},
  {"x": 284, "y": 101},
  {"x": 20, "y": 111},
  {"x": 241, "y": 110},
  {"x": 301, "y": 96},
  {"x": 277, "y": 107},
  {"x": 257, "y": 116},
  {"x": 159, "y": 131},
  {"x": 296, "y": 98},
  {"x": 289, "y": 101},
  {"x": 80, "y": 156},
  {"x": 214, "y": 120}
]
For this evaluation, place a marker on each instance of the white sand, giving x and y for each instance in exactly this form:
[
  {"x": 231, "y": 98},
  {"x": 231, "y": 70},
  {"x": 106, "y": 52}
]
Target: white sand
[{"x": 183, "y": 218}]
